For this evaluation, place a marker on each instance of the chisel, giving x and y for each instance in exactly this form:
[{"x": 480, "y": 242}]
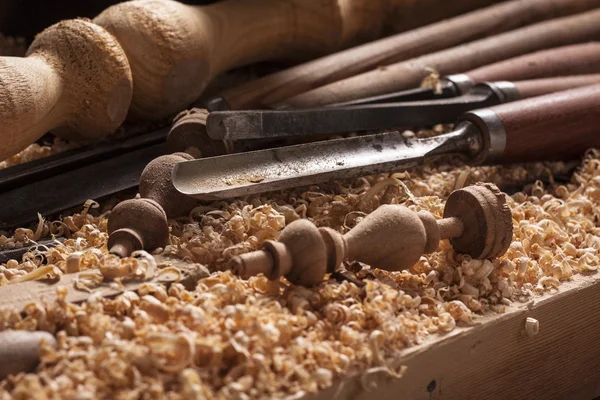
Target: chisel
[
  {"x": 271, "y": 124},
  {"x": 557, "y": 126},
  {"x": 576, "y": 59},
  {"x": 409, "y": 73}
]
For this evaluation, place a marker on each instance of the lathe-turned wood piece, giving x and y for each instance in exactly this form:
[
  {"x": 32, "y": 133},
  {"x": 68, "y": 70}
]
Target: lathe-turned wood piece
[
  {"x": 175, "y": 50},
  {"x": 137, "y": 224},
  {"x": 477, "y": 221},
  {"x": 75, "y": 81},
  {"x": 141, "y": 223}
]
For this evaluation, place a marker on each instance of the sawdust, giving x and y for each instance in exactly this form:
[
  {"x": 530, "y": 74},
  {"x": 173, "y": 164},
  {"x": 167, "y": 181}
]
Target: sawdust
[{"x": 256, "y": 338}]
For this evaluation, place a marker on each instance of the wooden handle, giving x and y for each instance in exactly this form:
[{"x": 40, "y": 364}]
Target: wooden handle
[
  {"x": 75, "y": 82},
  {"x": 476, "y": 24},
  {"x": 408, "y": 74},
  {"x": 581, "y": 58},
  {"x": 539, "y": 87},
  {"x": 557, "y": 126}
]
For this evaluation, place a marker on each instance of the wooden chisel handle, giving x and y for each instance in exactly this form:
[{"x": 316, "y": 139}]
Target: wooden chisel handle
[
  {"x": 175, "y": 50},
  {"x": 437, "y": 36},
  {"x": 581, "y": 58},
  {"x": 556, "y": 126},
  {"x": 408, "y": 74},
  {"x": 540, "y": 87}
]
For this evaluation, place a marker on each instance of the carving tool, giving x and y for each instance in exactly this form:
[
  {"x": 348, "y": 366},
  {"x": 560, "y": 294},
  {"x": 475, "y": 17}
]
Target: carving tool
[
  {"x": 550, "y": 127},
  {"x": 175, "y": 50},
  {"x": 449, "y": 32},
  {"x": 576, "y": 59},
  {"x": 408, "y": 74},
  {"x": 270, "y": 124}
]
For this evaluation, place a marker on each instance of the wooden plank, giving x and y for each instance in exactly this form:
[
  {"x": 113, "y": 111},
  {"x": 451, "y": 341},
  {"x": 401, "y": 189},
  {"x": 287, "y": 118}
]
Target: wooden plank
[
  {"x": 17, "y": 296},
  {"x": 496, "y": 360}
]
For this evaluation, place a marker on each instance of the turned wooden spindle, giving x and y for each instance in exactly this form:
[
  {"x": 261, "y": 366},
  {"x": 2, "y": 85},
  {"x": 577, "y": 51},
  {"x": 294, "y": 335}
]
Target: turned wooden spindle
[
  {"x": 477, "y": 221},
  {"x": 175, "y": 50},
  {"x": 75, "y": 82}
]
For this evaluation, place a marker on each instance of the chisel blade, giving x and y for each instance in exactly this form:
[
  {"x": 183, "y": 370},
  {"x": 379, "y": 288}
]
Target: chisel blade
[
  {"x": 271, "y": 124},
  {"x": 262, "y": 171}
]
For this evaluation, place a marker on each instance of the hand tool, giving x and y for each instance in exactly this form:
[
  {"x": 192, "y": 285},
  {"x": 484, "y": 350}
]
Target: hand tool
[
  {"x": 559, "y": 126},
  {"x": 476, "y": 24},
  {"x": 477, "y": 221},
  {"x": 74, "y": 97},
  {"x": 576, "y": 59},
  {"x": 270, "y": 124},
  {"x": 175, "y": 50},
  {"x": 409, "y": 73}
]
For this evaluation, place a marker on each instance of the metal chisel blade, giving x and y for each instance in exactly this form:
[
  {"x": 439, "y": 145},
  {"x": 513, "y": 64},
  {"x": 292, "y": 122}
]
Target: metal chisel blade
[
  {"x": 72, "y": 188},
  {"x": 271, "y": 124},
  {"x": 261, "y": 171}
]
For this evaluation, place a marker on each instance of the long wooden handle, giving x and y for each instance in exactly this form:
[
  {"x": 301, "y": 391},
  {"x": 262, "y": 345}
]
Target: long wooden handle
[
  {"x": 408, "y": 74},
  {"x": 552, "y": 127},
  {"x": 582, "y": 58},
  {"x": 175, "y": 50},
  {"x": 540, "y": 87},
  {"x": 441, "y": 35},
  {"x": 75, "y": 82}
]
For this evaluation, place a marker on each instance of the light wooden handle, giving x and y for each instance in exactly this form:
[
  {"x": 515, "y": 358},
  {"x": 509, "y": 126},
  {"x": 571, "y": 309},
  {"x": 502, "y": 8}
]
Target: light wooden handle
[
  {"x": 557, "y": 126},
  {"x": 408, "y": 74},
  {"x": 498, "y": 18},
  {"x": 175, "y": 50},
  {"x": 75, "y": 82}
]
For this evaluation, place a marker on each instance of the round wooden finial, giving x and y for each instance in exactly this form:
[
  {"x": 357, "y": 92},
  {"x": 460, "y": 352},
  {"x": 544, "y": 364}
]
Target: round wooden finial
[
  {"x": 156, "y": 184},
  {"x": 75, "y": 82},
  {"x": 137, "y": 224},
  {"x": 486, "y": 220}
]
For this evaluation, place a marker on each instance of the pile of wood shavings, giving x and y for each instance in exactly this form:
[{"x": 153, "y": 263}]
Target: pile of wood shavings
[{"x": 232, "y": 338}]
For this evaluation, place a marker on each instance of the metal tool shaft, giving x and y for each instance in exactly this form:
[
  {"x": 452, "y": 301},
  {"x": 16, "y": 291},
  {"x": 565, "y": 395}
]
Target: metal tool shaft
[
  {"x": 270, "y": 124},
  {"x": 285, "y": 167}
]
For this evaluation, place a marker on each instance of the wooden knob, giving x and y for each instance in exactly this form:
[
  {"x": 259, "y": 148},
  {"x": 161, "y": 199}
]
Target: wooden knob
[
  {"x": 75, "y": 81},
  {"x": 477, "y": 221},
  {"x": 137, "y": 224},
  {"x": 156, "y": 185},
  {"x": 175, "y": 50}
]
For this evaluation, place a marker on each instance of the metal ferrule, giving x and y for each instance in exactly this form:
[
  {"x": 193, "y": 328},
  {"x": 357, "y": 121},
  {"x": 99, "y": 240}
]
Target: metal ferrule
[
  {"x": 506, "y": 91},
  {"x": 461, "y": 82},
  {"x": 492, "y": 132},
  {"x": 217, "y": 104}
]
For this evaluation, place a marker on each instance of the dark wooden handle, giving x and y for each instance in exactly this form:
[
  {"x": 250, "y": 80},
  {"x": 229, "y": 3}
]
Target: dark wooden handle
[
  {"x": 557, "y": 126},
  {"x": 582, "y": 58},
  {"x": 482, "y": 22},
  {"x": 539, "y": 87},
  {"x": 409, "y": 74}
]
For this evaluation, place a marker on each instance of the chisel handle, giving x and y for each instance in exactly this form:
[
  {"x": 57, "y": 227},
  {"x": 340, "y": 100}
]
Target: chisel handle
[
  {"x": 408, "y": 74},
  {"x": 557, "y": 126},
  {"x": 581, "y": 58},
  {"x": 476, "y": 24},
  {"x": 539, "y": 87}
]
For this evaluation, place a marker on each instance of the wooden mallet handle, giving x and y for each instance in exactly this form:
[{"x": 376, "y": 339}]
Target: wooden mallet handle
[
  {"x": 477, "y": 221},
  {"x": 408, "y": 74},
  {"x": 494, "y": 19},
  {"x": 75, "y": 81},
  {"x": 175, "y": 50}
]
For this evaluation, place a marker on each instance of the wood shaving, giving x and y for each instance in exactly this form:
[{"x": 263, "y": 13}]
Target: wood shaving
[{"x": 250, "y": 339}]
